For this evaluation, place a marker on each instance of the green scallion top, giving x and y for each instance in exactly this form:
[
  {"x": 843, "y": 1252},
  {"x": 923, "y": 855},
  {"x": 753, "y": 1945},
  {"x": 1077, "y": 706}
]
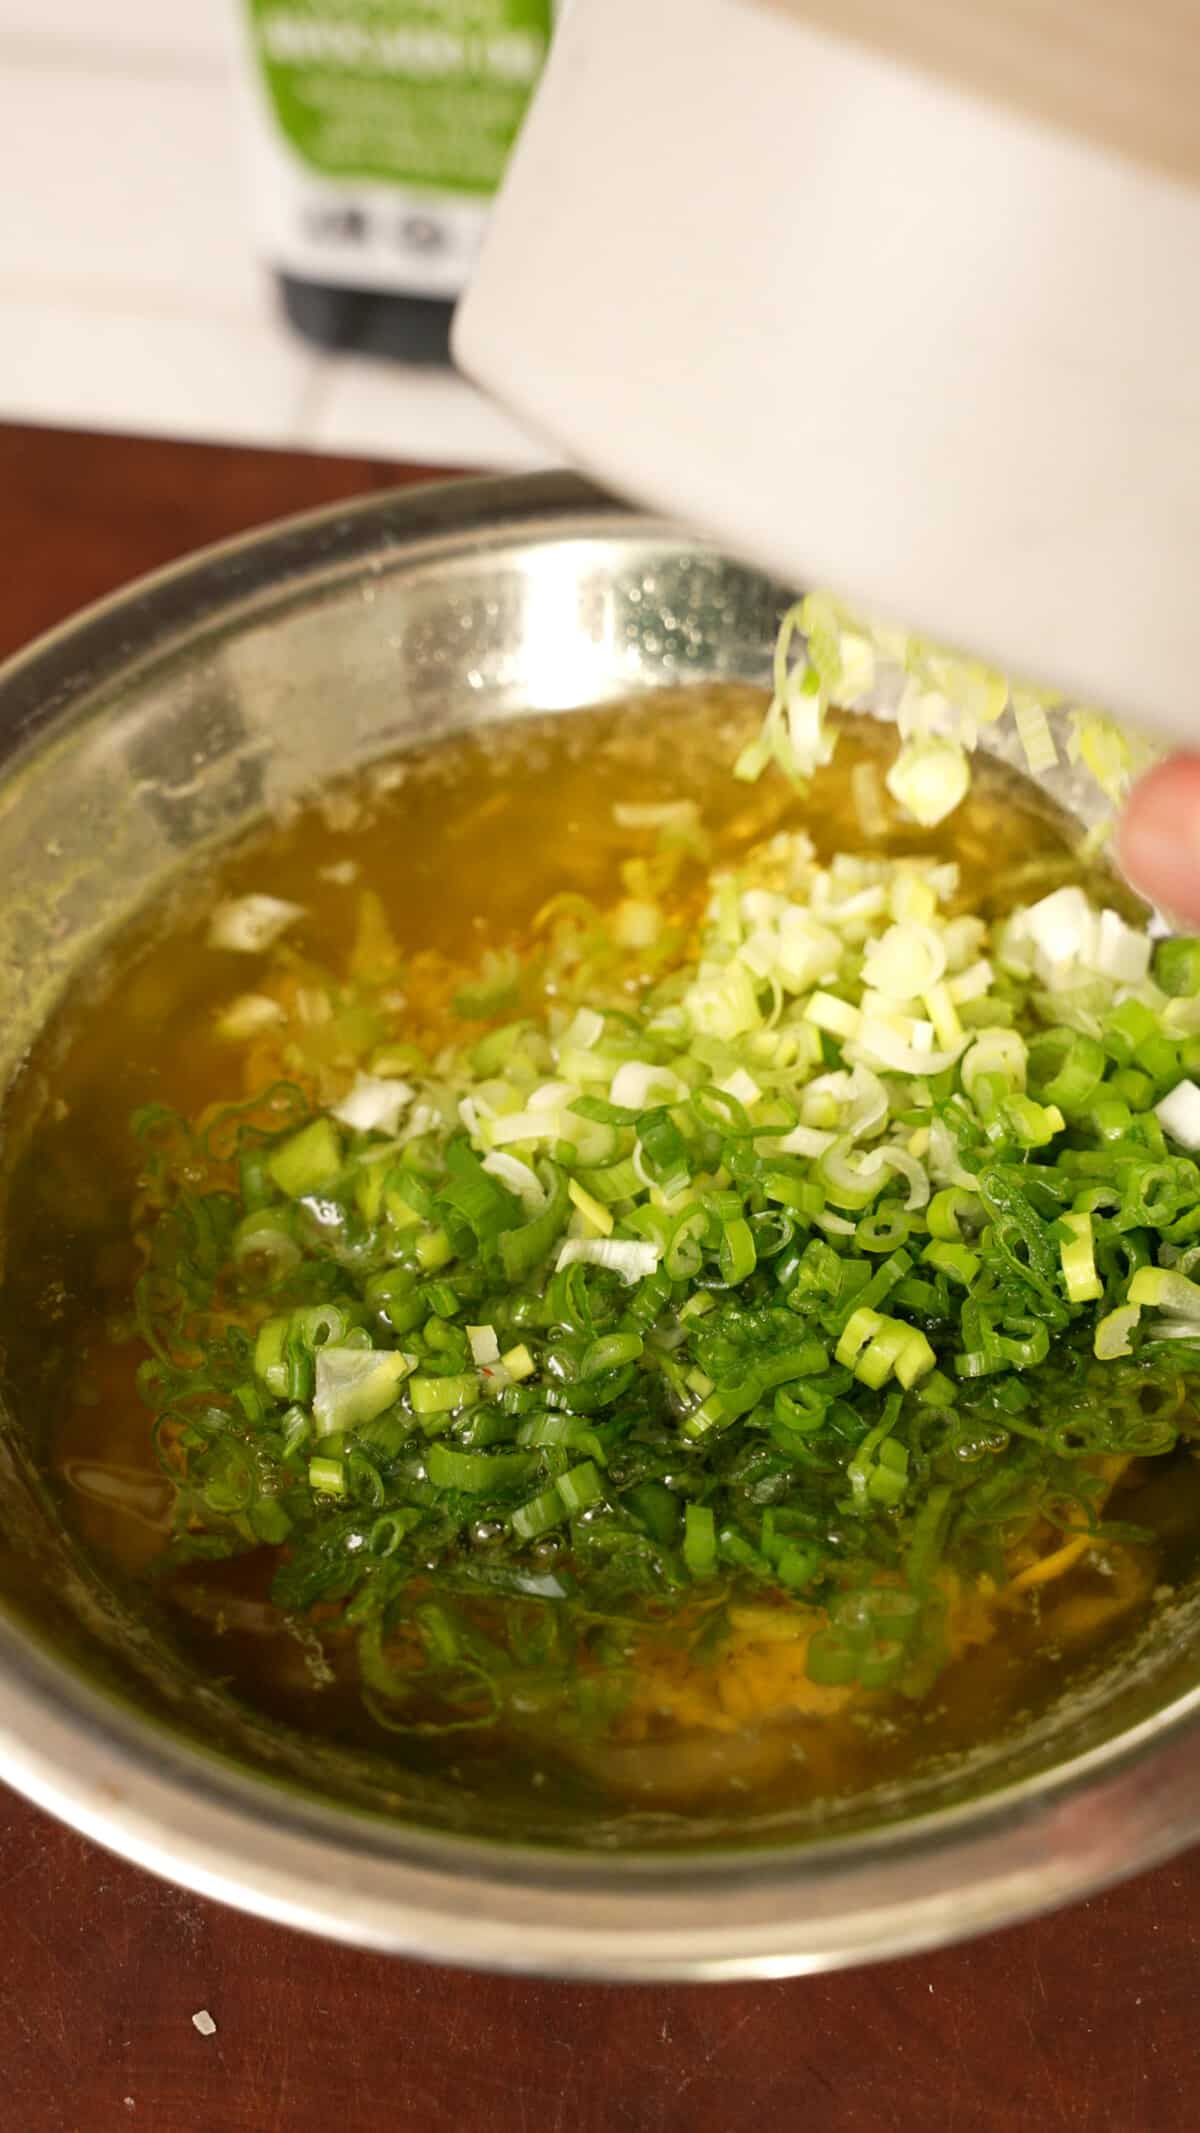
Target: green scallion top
[{"x": 841, "y": 1265}]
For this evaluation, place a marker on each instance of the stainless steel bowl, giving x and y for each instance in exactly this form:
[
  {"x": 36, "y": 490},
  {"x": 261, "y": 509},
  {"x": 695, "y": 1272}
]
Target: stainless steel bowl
[{"x": 162, "y": 722}]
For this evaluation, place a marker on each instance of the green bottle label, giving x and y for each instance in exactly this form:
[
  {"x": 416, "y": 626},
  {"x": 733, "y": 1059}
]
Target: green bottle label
[{"x": 422, "y": 93}]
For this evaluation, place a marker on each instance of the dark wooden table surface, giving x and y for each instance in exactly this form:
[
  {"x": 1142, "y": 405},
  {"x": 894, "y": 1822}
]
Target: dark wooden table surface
[{"x": 1089, "y": 2020}]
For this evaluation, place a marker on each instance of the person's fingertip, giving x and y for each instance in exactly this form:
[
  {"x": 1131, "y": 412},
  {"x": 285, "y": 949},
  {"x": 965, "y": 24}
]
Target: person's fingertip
[{"x": 1158, "y": 841}]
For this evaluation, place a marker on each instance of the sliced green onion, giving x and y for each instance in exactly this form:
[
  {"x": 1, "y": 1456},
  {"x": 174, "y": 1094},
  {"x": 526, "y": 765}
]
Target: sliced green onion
[
  {"x": 593, "y": 1211},
  {"x": 478, "y": 1473},
  {"x": 1068, "y": 1069},
  {"x": 610, "y": 1352},
  {"x": 827, "y": 1012},
  {"x": 1177, "y": 966},
  {"x": 929, "y": 778},
  {"x": 1077, "y": 1252},
  {"x": 1178, "y": 1113},
  {"x": 1113, "y": 1331},
  {"x": 266, "y": 1237},
  {"x": 327, "y": 1476},
  {"x": 310, "y": 1162},
  {"x": 269, "y": 1356},
  {"x": 433, "y": 1250},
  {"x": 354, "y": 1385},
  {"x": 539, "y": 1515},
  {"x": 774, "y": 1274},
  {"x": 524, "y": 1248},
  {"x": 617, "y": 1255},
  {"x": 1165, "y": 1291},
  {"x": 956, "y": 1260},
  {"x": 581, "y": 1487},
  {"x": 876, "y": 1348},
  {"x": 442, "y": 1396},
  {"x": 699, "y": 1540}
]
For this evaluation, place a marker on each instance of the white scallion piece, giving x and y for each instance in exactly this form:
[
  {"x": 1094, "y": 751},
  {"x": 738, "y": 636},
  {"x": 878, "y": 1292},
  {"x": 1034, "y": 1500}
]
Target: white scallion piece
[
  {"x": 632, "y": 1261},
  {"x": 1179, "y": 1114},
  {"x": 251, "y": 924},
  {"x": 760, "y": 907},
  {"x": 805, "y": 952},
  {"x": 248, "y": 1016},
  {"x": 660, "y": 814},
  {"x": 638, "y": 1085},
  {"x": 804, "y": 1140},
  {"x": 1062, "y": 925},
  {"x": 484, "y": 1345},
  {"x": 519, "y": 1178},
  {"x": 964, "y": 938},
  {"x": 996, "y": 1051},
  {"x": 356, "y": 1384},
  {"x": 906, "y": 962},
  {"x": 1181, "y": 1018},
  {"x": 855, "y": 1098},
  {"x": 887, "y": 1047},
  {"x": 1165, "y": 1290},
  {"x": 636, "y": 923},
  {"x": 584, "y": 1030},
  {"x": 1033, "y": 732},
  {"x": 943, "y": 1159},
  {"x": 826, "y": 1011},
  {"x": 374, "y": 1104},
  {"x": 835, "y": 1225},
  {"x": 912, "y": 900},
  {"x": 1121, "y": 952},
  {"x": 423, "y": 1118},
  {"x": 760, "y": 952},
  {"x": 929, "y": 778},
  {"x": 527, "y": 1125},
  {"x": 741, "y": 1086},
  {"x": 940, "y": 1008},
  {"x": 915, "y": 1172},
  {"x": 854, "y": 912},
  {"x": 970, "y": 984},
  {"x": 552, "y": 1095},
  {"x": 722, "y": 1002}
]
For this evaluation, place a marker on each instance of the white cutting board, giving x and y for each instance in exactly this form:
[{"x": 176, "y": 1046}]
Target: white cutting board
[{"x": 874, "y": 330}]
